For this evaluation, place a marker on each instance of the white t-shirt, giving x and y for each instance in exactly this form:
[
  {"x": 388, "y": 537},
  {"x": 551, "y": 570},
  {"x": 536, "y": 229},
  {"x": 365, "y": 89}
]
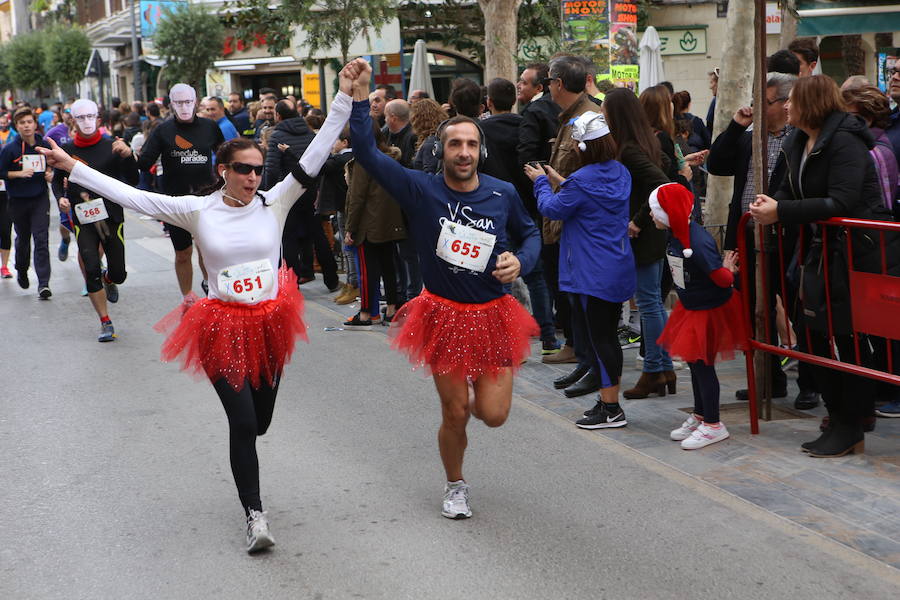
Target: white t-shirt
[{"x": 227, "y": 235}]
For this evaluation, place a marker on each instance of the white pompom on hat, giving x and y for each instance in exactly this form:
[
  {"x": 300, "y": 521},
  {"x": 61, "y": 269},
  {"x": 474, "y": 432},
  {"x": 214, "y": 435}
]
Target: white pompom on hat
[
  {"x": 588, "y": 126},
  {"x": 671, "y": 204}
]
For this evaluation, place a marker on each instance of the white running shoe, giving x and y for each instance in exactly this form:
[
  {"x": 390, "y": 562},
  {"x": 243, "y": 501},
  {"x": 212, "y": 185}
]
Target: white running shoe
[
  {"x": 705, "y": 435},
  {"x": 456, "y": 500},
  {"x": 686, "y": 429},
  {"x": 258, "y": 536}
]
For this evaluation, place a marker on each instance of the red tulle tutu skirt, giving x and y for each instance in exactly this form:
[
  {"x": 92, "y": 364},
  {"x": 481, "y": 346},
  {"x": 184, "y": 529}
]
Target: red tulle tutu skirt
[
  {"x": 236, "y": 341},
  {"x": 464, "y": 340},
  {"x": 707, "y": 335}
]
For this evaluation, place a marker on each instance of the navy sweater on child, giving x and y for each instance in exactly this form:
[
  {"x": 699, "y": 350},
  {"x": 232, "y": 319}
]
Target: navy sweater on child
[{"x": 694, "y": 277}]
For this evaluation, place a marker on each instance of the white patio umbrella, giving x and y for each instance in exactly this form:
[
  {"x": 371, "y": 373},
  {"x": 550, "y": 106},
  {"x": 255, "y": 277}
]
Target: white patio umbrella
[
  {"x": 420, "y": 77},
  {"x": 650, "y": 60}
]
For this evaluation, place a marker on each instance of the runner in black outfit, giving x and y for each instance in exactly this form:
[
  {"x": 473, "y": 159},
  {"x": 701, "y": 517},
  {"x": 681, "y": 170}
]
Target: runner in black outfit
[
  {"x": 186, "y": 144},
  {"x": 116, "y": 160}
]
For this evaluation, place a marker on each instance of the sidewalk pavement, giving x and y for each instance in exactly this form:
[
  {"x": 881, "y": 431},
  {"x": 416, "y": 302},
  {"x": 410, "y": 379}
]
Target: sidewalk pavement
[{"x": 853, "y": 500}]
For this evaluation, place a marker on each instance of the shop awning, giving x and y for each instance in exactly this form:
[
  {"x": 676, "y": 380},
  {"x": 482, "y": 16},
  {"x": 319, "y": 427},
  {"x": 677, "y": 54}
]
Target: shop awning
[{"x": 843, "y": 17}]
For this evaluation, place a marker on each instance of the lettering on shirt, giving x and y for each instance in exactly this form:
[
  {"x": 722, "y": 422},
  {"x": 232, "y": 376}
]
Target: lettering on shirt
[
  {"x": 190, "y": 157},
  {"x": 464, "y": 216}
]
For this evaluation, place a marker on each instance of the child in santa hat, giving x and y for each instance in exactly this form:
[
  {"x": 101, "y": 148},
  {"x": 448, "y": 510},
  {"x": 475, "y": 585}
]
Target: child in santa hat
[{"x": 708, "y": 322}]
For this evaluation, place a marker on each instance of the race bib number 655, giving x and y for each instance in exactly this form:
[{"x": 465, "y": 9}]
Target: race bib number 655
[{"x": 465, "y": 246}]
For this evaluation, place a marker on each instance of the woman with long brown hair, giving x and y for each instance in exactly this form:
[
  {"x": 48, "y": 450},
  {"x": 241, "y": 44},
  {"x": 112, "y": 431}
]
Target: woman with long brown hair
[
  {"x": 639, "y": 151},
  {"x": 657, "y": 104},
  {"x": 829, "y": 174},
  {"x": 425, "y": 116}
]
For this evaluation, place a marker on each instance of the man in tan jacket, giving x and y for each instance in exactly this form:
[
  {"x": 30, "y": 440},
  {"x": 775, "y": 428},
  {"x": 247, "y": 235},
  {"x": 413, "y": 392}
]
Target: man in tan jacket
[{"x": 567, "y": 84}]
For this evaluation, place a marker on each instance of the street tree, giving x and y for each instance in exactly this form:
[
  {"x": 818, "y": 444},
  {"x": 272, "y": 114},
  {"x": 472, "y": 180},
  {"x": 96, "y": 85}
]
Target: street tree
[
  {"x": 26, "y": 61},
  {"x": 735, "y": 91},
  {"x": 336, "y": 23},
  {"x": 67, "y": 55},
  {"x": 190, "y": 39},
  {"x": 501, "y": 41}
]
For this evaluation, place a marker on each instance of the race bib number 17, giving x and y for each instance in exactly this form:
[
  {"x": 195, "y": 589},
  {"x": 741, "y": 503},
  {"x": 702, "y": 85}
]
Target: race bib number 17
[{"x": 464, "y": 246}]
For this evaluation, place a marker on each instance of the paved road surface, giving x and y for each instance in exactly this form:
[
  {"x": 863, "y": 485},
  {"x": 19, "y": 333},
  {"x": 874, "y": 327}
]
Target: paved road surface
[{"x": 117, "y": 482}]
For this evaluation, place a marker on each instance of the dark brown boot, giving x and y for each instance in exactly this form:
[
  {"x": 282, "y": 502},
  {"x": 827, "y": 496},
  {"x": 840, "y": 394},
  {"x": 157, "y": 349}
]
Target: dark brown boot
[
  {"x": 671, "y": 378},
  {"x": 649, "y": 383}
]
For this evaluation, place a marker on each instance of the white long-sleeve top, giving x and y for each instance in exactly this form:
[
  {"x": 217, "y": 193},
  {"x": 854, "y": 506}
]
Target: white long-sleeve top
[{"x": 227, "y": 235}]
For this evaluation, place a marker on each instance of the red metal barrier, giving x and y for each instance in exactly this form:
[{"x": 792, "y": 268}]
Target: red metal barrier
[{"x": 874, "y": 301}]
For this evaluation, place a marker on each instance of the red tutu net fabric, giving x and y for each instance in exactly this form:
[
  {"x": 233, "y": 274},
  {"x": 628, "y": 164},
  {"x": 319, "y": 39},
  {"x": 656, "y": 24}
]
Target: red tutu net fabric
[
  {"x": 707, "y": 335},
  {"x": 465, "y": 340},
  {"x": 236, "y": 341}
]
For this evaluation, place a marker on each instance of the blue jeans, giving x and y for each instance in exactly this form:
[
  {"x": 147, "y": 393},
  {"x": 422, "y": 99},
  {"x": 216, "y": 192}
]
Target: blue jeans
[
  {"x": 653, "y": 316},
  {"x": 540, "y": 301}
]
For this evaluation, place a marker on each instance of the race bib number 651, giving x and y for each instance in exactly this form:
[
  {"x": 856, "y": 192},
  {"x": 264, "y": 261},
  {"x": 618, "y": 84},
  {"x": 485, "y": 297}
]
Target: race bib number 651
[
  {"x": 464, "y": 246},
  {"x": 247, "y": 282}
]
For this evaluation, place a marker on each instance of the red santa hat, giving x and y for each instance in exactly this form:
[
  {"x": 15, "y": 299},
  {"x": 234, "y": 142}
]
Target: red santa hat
[{"x": 671, "y": 204}]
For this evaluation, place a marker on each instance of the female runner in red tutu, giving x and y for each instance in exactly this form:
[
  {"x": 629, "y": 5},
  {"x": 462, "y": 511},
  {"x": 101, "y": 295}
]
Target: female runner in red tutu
[
  {"x": 464, "y": 327},
  {"x": 242, "y": 335},
  {"x": 707, "y": 323}
]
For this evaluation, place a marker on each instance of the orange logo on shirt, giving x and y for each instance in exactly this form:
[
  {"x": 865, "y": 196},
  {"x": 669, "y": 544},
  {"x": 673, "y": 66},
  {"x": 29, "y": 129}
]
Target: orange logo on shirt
[{"x": 182, "y": 143}]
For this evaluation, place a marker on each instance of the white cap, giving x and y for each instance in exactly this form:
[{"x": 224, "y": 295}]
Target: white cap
[{"x": 589, "y": 126}]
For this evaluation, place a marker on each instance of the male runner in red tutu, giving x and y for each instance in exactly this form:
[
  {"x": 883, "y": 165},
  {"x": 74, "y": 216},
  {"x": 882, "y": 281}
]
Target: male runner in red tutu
[{"x": 464, "y": 327}]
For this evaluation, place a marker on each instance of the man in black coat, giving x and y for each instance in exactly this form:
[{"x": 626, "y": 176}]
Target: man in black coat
[
  {"x": 399, "y": 131},
  {"x": 501, "y": 131},
  {"x": 730, "y": 155},
  {"x": 302, "y": 229},
  {"x": 540, "y": 117}
]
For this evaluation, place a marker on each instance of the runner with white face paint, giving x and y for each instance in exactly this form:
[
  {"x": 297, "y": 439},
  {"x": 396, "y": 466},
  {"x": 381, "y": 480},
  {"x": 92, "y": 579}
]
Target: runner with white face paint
[
  {"x": 98, "y": 223},
  {"x": 186, "y": 144}
]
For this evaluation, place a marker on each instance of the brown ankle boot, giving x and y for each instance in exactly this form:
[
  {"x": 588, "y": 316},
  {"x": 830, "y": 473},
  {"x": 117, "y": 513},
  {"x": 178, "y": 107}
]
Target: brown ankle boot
[
  {"x": 671, "y": 378},
  {"x": 649, "y": 383}
]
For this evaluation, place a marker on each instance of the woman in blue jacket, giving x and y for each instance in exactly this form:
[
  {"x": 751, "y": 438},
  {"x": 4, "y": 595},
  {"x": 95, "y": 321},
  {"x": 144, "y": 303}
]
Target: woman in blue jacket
[{"x": 596, "y": 266}]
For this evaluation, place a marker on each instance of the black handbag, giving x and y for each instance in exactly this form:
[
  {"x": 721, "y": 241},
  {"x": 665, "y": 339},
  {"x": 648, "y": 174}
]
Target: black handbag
[{"x": 815, "y": 301}]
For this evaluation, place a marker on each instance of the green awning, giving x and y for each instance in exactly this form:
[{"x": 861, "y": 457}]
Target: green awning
[{"x": 842, "y": 17}]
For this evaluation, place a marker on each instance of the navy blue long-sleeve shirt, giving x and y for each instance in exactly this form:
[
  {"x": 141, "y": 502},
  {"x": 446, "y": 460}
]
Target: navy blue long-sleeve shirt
[
  {"x": 700, "y": 292},
  {"x": 11, "y": 160},
  {"x": 494, "y": 207}
]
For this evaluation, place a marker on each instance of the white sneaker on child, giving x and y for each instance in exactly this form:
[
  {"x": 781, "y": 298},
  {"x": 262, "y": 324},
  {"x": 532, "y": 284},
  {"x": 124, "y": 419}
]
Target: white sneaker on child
[
  {"x": 686, "y": 429},
  {"x": 705, "y": 435}
]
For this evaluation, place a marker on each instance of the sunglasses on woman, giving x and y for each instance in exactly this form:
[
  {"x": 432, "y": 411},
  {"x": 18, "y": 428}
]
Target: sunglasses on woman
[{"x": 244, "y": 168}]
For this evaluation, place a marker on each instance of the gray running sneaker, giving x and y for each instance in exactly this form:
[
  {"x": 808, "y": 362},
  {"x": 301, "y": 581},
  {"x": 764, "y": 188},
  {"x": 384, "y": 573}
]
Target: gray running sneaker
[
  {"x": 258, "y": 536},
  {"x": 107, "y": 333},
  {"x": 456, "y": 500},
  {"x": 112, "y": 290}
]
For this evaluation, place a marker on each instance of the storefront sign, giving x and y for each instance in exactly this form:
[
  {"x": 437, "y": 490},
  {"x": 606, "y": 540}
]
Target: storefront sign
[
  {"x": 623, "y": 44},
  {"x": 152, "y": 12},
  {"x": 682, "y": 41},
  {"x": 773, "y": 18},
  {"x": 311, "y": 91}
]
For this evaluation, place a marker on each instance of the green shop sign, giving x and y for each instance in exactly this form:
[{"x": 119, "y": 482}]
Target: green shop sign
[{"x": 682, "y": 40}]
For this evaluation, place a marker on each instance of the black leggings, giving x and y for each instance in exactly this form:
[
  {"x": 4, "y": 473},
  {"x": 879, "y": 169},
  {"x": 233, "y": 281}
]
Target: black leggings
[
  {"x": 376, "y": 263},
  {"x": 249, "y": 415},
  {"x": 5, "y": 224},
  {"x": 705, "y": 384},
  {"x": 112, "y": 238},
  {"x": 600, "y": 319}
]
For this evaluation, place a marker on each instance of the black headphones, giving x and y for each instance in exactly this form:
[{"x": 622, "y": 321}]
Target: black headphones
[{"x": 438, "y": 148}]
